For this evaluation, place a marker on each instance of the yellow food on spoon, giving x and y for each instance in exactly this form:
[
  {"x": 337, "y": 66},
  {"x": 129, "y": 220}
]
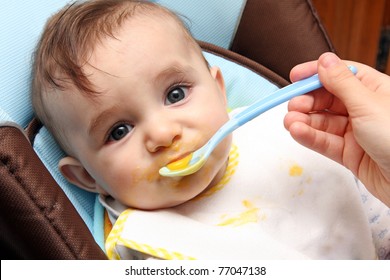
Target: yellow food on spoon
[{"x": 180, "y": 164}]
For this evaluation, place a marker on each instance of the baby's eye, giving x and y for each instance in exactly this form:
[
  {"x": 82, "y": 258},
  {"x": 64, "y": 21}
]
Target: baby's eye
[
  {"x": 119, "y": 132},
  {"x": 175, "y": 95}
]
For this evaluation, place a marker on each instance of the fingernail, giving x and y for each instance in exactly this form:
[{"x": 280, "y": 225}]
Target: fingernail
[{"x": 330, "y": 59}]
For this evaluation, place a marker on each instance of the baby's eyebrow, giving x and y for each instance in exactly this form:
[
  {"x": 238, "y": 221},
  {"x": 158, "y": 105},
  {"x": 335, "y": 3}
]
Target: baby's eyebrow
[
  {"x": 172, "y": 71},
  {"x": 100, "y": 119}
]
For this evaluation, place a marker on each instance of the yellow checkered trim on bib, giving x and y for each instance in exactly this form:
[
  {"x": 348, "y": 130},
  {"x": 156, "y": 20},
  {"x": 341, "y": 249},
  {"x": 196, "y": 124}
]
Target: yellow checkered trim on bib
[{"x": 115, "y": 239}]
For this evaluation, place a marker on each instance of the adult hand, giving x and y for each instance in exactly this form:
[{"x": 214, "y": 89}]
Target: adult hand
[{"x": 348, "y": 120}]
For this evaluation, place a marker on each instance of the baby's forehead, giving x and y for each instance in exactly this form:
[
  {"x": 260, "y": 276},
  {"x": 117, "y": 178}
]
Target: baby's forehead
[
  {"x": 157, "y": 18},
  {"x": 139, "y": 40}
]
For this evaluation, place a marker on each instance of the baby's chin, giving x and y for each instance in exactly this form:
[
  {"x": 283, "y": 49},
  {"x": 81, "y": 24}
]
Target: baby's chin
[
  {"x": 169, "y": 194},
  {"x": 179, "y": 193},
  {"x": 206, "y": 178}
]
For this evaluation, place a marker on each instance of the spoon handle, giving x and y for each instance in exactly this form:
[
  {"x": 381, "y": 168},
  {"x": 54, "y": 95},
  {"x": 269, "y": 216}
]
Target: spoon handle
[{"x": 278, "y": 97}]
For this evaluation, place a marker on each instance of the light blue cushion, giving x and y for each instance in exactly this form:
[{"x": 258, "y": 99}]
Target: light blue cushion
[
  {"x": 243, "y": 86},
  {"x": 21, "y": 23},
  {"x": 213, "y": 21},
  {"x": 20, "y": 26}
]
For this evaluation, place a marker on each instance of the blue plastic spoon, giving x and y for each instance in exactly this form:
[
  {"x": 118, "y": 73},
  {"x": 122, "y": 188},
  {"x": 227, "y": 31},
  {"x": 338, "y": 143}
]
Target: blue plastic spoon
[{"x": 197, "y": 159}]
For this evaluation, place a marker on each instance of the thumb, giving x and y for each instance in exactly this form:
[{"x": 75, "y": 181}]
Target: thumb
[{"x": 338, "y": 79}]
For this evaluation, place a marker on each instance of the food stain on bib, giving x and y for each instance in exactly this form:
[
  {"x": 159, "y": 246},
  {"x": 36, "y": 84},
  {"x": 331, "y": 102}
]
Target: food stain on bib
[
  {"x": 305, "y": 180},
  {"x": 250, "y": 215},
  {"x": 295, "y": 170}
]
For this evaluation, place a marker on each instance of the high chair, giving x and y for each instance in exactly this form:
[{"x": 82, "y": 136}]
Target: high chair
[{"x": 255, "y": 42}]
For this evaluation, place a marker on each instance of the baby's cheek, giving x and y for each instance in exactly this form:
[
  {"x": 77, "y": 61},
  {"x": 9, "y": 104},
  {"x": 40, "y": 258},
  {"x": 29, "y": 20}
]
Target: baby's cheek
[
  {"x": 115, "y": 176},
  {"x": 143, "y": 175}
]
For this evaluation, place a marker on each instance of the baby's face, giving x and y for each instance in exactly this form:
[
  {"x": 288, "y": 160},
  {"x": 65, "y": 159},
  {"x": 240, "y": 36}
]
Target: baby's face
[{"x": 159, "y": 102}]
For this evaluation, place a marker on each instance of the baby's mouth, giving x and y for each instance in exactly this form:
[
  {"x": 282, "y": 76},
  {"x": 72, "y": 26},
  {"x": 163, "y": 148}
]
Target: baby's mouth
[
  {"x": 179, "y": 155},
  {"x": 180, "y": 162}
]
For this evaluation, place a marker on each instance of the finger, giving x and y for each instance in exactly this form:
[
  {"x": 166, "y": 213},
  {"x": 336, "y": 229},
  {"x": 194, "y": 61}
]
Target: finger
[
  {"x": 303, "y": 70},
  {"x": 372, "y": 78},
  {"x": 292, "y": 117},
  {"x": 340, "y": 81},
  {"x": 327, "y": 144},
  {"x": 319, "y": 100},
  {"x": 330, "y": 123}
]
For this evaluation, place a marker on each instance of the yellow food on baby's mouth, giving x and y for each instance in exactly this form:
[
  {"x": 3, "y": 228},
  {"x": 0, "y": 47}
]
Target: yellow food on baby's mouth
[{"x": 180, "y": 164}]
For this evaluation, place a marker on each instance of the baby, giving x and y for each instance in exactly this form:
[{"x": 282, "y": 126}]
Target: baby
[{"x": 125, "y": 90}]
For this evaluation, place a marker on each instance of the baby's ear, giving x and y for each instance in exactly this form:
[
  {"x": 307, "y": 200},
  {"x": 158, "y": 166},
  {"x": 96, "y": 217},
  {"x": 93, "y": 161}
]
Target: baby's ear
[
  {"x": 218, "y": 77},
  {"x": 75, "y": 173}
]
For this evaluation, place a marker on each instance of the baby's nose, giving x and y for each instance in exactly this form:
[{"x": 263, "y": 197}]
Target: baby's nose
[{"x": 161, "y": 134}]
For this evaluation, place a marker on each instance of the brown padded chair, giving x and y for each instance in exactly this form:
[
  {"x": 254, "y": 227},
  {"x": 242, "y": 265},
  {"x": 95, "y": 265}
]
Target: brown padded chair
[{"x": 37, "y": 219}]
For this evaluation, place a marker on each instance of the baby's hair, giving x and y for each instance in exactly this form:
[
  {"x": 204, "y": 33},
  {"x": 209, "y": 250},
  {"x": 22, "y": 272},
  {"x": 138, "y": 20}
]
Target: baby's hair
[{"x": 69, "y": 39}]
